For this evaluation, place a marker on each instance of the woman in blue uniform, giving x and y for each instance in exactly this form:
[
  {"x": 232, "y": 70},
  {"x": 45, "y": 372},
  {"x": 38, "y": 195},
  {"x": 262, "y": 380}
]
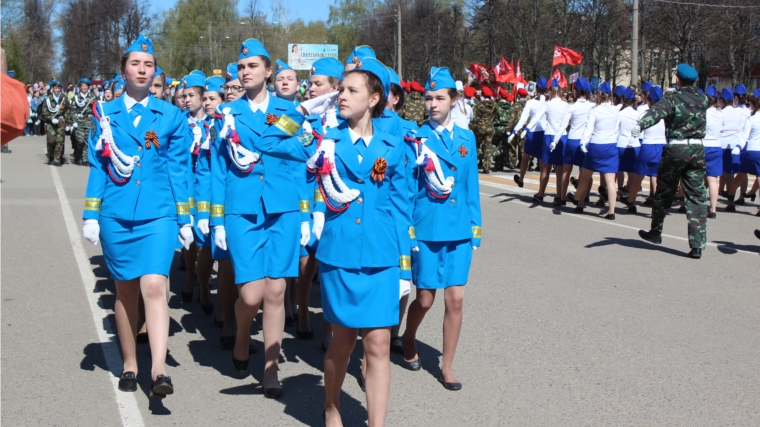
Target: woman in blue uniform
[
  {"x": 447, "y": 220},
  {"x": 136, "y": 200},
  {"x": 255, "y": 210},
  {"x": 364, "y": 249}
]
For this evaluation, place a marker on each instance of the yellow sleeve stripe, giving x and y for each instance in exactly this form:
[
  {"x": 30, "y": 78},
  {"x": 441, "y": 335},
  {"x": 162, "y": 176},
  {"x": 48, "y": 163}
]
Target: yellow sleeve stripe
[
  {"x": 412, "y": 233},
  {"x": 217, "y": 211},
  {"x": 305, "y": 206},
  {"x": 183, "y": 208},
  {"x": 405, "y": 262},
  {"x": 204, "y": 207},
  {"x": 287, "y": 125},
  {"x": 92, "y": 204},
  {"x": 318, "y": 196},
  {"x": 192, "y": 203},
  {"x": 476, "y": 230}
]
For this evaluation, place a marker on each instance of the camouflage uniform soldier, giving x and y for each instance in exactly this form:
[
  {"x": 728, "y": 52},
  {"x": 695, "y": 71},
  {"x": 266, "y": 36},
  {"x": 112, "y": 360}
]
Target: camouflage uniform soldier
[
  {"x": 499, "y": 151},
  {"x": 484, "y": 116},
  {"x": 80, "y": 117},
  {"x": 515, "y": 148},
  {"x": 54, "y": 110},
  {"x": 414, "y": 105},
  {"x": 683, "y": 159}
]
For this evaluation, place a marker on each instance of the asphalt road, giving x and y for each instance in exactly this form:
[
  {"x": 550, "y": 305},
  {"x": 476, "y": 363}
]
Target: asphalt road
[{"x": 569, "y": 320}]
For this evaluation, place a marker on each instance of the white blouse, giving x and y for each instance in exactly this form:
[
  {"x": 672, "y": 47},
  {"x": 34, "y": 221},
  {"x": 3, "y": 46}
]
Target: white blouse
[
  {"x": 753, "y": 139},
  {"x": 733, "y": 125},
  {"x": 629, "y": 117},
  {"x": 602, "y": 125},
  {"x": 714, "y": 123},
  {"x": 531, "y": 111}
]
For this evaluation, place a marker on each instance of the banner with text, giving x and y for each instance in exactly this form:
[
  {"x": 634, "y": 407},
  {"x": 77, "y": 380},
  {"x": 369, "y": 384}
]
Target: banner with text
[{"x": 301, "y": 56}]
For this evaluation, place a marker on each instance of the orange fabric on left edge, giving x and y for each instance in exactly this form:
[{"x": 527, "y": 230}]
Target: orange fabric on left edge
[{"x": 15, "y": 108}]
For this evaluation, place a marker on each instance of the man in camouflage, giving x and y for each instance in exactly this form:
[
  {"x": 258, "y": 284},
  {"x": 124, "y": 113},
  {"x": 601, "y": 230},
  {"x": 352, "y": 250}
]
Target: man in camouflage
[
  {"x": 414, "y": 105},
  {"x": 80, "y": 117},
  {"x": 499, "y": 150},
  {"x": 484, "y": 115},
  {"x": 683, "y": 158},
  {"x": 53, "y": 114},
  {"x": 515, "y": 148}
]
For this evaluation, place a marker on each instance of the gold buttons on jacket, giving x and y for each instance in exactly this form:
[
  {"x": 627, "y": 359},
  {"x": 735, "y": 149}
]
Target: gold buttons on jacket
[
  {"x": 139, "y": 148},
  {"x": 139, "y": 165},
  {"x": 261, "y": 177},
  {"x": 358, "y": 221},
  {"x": 453, "y": 168},
  {"x": 359, "y": 181},
  {"x": 453, "y": 200},
  {"x": 138, "y": 182},
  {"x": 359, "y": 200}
]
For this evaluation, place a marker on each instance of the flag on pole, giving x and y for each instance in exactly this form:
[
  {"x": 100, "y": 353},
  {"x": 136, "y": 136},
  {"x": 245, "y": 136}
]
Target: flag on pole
[
  {"x": 563, "y": 55},
  {"x": 560, "y": 78},
  {"x": 481, "y": 72},
  {"x": 504, "y": 71}
]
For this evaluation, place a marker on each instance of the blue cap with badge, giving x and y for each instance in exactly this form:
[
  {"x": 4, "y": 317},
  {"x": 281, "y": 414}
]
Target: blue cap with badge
[
  {"x": 84, "y": 80},
  {"x": 711, "y": 91},
  {"x": 281, "y": 66},
  {"x": 329, "y": 67},
  {"x": 214, "y": 84},
  {"x": 440, "y": 78},
  {"x": 142, "y": 44},
  {"x": 646, "y": 86},
  {"x": 377, "y": 68},
  {"x": 54, "y": 82},
  {"x": 655, "y": 93},
  {"x": 359, "y": 53},
  {"x": 541, "y": 83},
  {"x": 629, "y": 94},
  {"x": 727, "y": 95},
  {"x": 605, "y": 88},
  {"x": 196, "y": 78},
  {"x": 686, "y": 73},
  {"x": 740, "y": 90},
  {"x": 232, "y": 72},
  {"x": 252, "y": 47},
  {"x": 159, "y": 71}
]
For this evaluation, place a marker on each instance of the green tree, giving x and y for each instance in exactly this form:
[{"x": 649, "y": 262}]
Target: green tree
[{"x": 14, "y": 56}]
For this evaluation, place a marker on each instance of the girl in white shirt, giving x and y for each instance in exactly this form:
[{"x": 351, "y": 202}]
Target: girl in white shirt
[
  {"x": 553, "y": 114},
  {"x": 730, "y": 136},
  {"x": 534, "y": 135},
  {"x": 628, "y": 146},
  {"x": 750, "y": 156},
  {"x": 576, "y": 117},
  {"x": 713, "y": 149}
]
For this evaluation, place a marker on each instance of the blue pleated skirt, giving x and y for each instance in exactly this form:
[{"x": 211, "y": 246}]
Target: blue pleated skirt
[
  {"x": 361, "y": 298},
  {"x": 216, "y": 252},
  {"x": 534, "y": 144},
  {"x": 439, "y": 265},
  {"x": 573, "y": 153},
  {"x": 731, "y": 162},
  {"x": 602, "y": 158},
  {"x": 133, "y": 249},
  {"x": 627, "y": 158},
  {"x": 263, "y": 245},
  {"x": 556, "y": 157},
  {"x": 750, "y": 162},
  {"x": 648, "y": 159},
  {"x": 714, "y": 160}
]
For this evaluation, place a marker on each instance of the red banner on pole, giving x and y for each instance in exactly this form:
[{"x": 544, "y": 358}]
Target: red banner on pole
[
  {"x": 504, "y": 71},
  {"x": 560, "y": 78},
  {"x": 563, "y": 55}
]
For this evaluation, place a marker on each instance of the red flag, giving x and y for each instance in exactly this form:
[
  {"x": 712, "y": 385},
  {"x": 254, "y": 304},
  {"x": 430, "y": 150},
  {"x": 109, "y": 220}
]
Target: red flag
[
  {"x": 563, "y": 55},
  {"x": 560, "y": 78},
  {"x": 480, "y": 71},
  {"x": 504, "y": 71}
]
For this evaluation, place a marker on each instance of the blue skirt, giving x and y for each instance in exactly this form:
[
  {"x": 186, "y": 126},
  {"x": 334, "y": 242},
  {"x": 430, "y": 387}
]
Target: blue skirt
[
  {"x": 200, "y": 238},
  {"x": 731, "y": 163},
  {"x": 750, "y": 162},
  {"x": 363, "y": 298},
  {"x": 556, "y": 157},
  {"x": 133, "y": 249},
  {"x": 534, "y": 144},
  {"x": 263, "y": 245},
  {"x": 439, "y": 265},
  {"x": 602, "y": 158},
  {"x": 573, "y": 153},
  {"x": 714, "y": 160},
  {"x": 627, "y": 158},
  {"x": 648, "y": 159},
  {"x": 216, "y": 252}
]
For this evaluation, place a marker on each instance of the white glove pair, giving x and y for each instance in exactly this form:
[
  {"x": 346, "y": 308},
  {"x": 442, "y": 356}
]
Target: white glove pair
[
  {"x": 305, "y": 233},
  {"x": 54, "y": 121},
  {"x": 186, "y": 236},
  {"x": 220, "y": 235},
  {"x": 736, "y": 151},
  {"x": 636, "y": 131},
  {"x": 91, "y": 231},
  {"x": 320, "y": 104},
  {"x": 552, "y": 146},
  {"x": 523, "y": 134}
]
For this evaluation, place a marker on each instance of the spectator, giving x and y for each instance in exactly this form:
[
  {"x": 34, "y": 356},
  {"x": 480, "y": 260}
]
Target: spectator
[{"x": 35, "y": 104}]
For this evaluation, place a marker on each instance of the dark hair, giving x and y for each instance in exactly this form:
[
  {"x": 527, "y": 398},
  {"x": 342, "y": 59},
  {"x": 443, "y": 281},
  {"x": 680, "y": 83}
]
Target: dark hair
[
  {"x": 375, "y": 86},
  {"x": 267, "y": 64},
  {"x": 602, "y": 97},
  {"x": 754, "y": 102},
  {"x": 221, "y": 95},
  {"x": 163, "y": 80},
  {"x": 453, "y": 93},
  {"x": 555, "y": 91},
  {"x": 711, "y": 101},
  {"x": 741, "y": 98},
  {"x": 198, "y": 90},
  {"x": 399, "y": 93}
]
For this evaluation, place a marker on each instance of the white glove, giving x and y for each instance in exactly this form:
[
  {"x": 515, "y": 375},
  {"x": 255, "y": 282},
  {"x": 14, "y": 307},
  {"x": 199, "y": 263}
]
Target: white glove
[
  {"x": 583, "y": 148},
  {"x": 68, "y": 128},
  {"x": 321, "y": 103},
  {"x": 416, "y": 249},
  {"x": 511, "y": 137},
  {"x": 305, "y": 233},
  {"x": 552, "y": 146},
  {"x": 736, "y": 151},
  {"x": 54, "y": 121},
  {"x": 220, "y": 237},
  {"x": 636, "y": 131},
  {"x": 404, "y": 288},
  {"x": 474, "y": 248},
  {"x": 74, "y": 126},
  {"x": 192, "y": 221},
  {"x": 37, "y": 123},
  {"x": 91, "y": 231},
  {"x": 203, "y": 226},
  {"x": 186, "y": 236},
  {"x": 522, "y": 135},
  {"x": 319, "y": 224}
]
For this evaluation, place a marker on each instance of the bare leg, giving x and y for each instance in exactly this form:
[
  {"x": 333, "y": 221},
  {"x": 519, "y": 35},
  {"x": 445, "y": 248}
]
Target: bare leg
[
  {"x": 736, "y": 183},
  {"x": 273, "y": 324},
  {"x": 635, "y": 187},
  {"x": 611, "y": 191},
  {"x": 127, "y": 292},
  {"x": 205, "y": 263},
  {"x": 566, "y": 172},
  {"x": 190, "y": 256},
  {"x": 378, "y": 380},
  {"x": 153, "y": 289},
  {"x": 452, "y": 325},
  {"x": 141, "y": 325},
  {"x": 336, "y": 365},
  {"x": 250, "y": 295},
  {"x": 417, "y": 309},
  {"x": 712, "y": 186},
  {"x": 584, "y": 186},
  {"x": 524, "y": 165},
  {"x": 227, "y": 294},
  {"x": 652, "y": 185},
  {"x": 544, "y": 178},
  {"x": 559, "y": 175},
  {"x": 307, "y": 266}
]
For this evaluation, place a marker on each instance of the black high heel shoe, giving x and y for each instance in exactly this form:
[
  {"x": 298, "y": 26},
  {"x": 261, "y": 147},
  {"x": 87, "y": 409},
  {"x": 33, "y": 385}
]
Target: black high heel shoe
[
  {"x": 241, "y": 366},
  {"x": 207, "y": 309},
  {"x": 187, "y": 296}
]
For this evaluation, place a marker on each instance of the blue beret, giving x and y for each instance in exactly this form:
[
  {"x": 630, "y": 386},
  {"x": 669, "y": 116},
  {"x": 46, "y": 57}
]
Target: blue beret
[
  {"x": 159, "y": 71},
  {"x": 118, "y": 77},
  {"x": 541, "y": 83},
  {"x": 169, "y": 80},
  {"x": 605, "y": 88},
  {"x": 252, "y": 47},
  {"x": 281, "y": 66},
  {"x": 740, "y": 90},
  {"x": 214, "y": 84},
  {"x": 711, "y": 91},
  {"x": 646, "y": 86},
  {"x": 54, "y": 82},
  {"x": 196, "y": 78},
  {"x": 394, "y": 76},
  {"x": 554, "y": 83},
  {"x": 119, "y": 85},
  {"x": 727, "y": 94},
  {"x": 686, "y": 73},
  {"x": 232, "y": 72},
  {"x": 756, "y": 93},
  {"x": 655, "y": 93},
  {"x": 142, "y": 44},
  {"x": 360, "y": 52},
  {"x": 440, "y": 78},
  {"x": 84, "y": 80},
  {"x": 329, "y": 67},
  {"x": 377, "y": 68},
  {"x": 619, "y": 90},
  {"x": 628, "y": 93}
]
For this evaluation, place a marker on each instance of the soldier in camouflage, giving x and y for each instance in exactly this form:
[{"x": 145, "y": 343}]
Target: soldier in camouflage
[
  {"x": 53, "y": 114},
  {"x": 501, "y": 133},
  {"x": 414, "y": 105},
  {"x": 484, "y": 115},
  {"x": 80, "y": 117},
  {"x": 683, "y": 158},
  {"x": 515, "y": 148}
]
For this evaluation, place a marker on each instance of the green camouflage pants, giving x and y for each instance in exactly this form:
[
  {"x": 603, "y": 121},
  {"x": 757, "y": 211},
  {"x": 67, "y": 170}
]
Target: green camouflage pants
[
  {"x": 79, "y": 141},
  {"x": 485, "y": 149},
  {"x": 515, "y": 151},
  {"x": 684, "y": 163},
  {"x": 55, "y": 139}
]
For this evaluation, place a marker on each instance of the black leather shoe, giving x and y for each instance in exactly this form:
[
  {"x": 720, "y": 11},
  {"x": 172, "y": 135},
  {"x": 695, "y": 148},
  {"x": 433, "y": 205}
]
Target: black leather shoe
[
  {"x": 757, "y": 234},
  {"x": 624, "y": 200},
  {"x": 414, "y": 365},
  {"x": 574, "y": 181},
  {"x": 578, "y": 209},
  {"x": 290, "y": 321},
  {"x": 740, "y": 201},
  {"x": 228, "y": 342},
  {"x": 600, "y": 203},
  {"x": 518, "y": 181},
  {"x": 161, "y": 387},
  {"x": 648, "y": 203},
  {"x": 571, "y": 198},
  {"x": 305, "y": 335},
  {"x": 758, "y": 213},
  {"x": 730, "y": 208},
  {"x": 751, "y": 197},
  {"x": 187, "y": 296},
  {"x": 128, "y": 382},
  {"x": 632, "y": 209},
  {"x": 538, "y": 199},
  {"x": 649, "y": 237},
  {"x": 241, "y": 366},
  {"x": 449, "y": 386},
  {"x": 558, "y": 202},
  {"x": 273, "y": 393},
  {"x": 397, "y": 348},
  {"x": 712, "y": 215},
  {"x": 208, "y": 309},
  {"x": 695, "y": 253},
  {"x": 610, "y": 217},
  {"x": 724, "y": 194},
  {"x": 142, "y": 337}
]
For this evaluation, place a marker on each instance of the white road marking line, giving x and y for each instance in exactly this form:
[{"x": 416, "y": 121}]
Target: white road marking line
[
  {"x": 128, "y": 409},
  {"x": 586, "y": 217}
]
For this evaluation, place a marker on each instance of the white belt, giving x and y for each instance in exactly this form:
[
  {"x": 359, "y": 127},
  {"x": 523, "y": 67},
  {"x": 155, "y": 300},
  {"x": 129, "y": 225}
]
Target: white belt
[{"x": 685, "y": 142}]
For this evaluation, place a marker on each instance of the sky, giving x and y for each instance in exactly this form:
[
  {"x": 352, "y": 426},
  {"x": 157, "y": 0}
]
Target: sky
[{"x": 303, "y": 9}]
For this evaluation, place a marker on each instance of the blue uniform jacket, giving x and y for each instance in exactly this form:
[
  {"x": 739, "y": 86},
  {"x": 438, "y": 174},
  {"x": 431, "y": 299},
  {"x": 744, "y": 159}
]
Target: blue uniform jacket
[
  {"x": 373, "y": 231},
  {"x": 193, "y": 160},
  {"x": 457, "y": 217},
  {"x": 158, "y": 186},
  {"x": 272, "y": 182},
  {"x": 203, "y": 175}
]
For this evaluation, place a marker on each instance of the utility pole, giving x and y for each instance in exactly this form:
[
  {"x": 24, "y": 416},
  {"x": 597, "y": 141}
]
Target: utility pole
[
  {"x": 398, "y": 27},
  {"x": 635, "y": 45}
]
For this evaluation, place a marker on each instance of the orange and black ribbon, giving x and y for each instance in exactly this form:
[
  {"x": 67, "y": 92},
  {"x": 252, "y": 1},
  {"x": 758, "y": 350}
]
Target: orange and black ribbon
[
  {"x": 378, "y": 170},
  {"x": 151, "y": 139},
  {"x": 272, "y": 119},
  {"x": 463, "y": 151}
]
